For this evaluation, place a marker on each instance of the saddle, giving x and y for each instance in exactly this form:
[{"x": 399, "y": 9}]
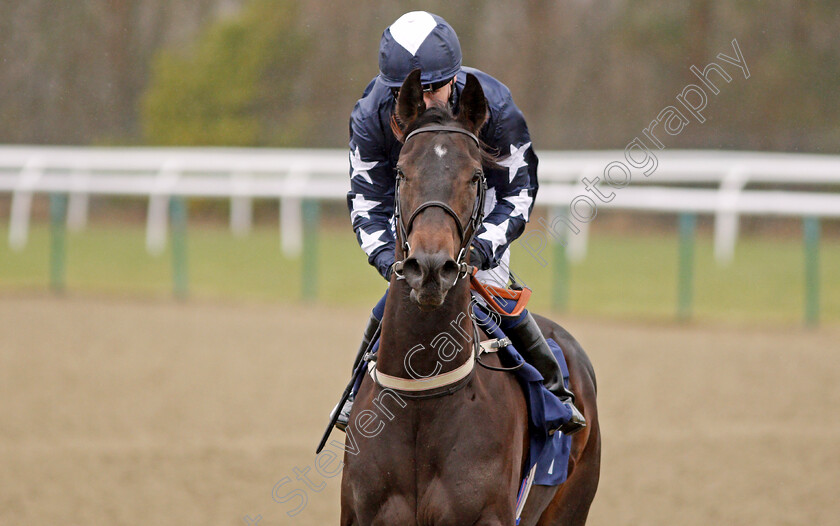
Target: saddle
[{"x": 492, "y": 295}]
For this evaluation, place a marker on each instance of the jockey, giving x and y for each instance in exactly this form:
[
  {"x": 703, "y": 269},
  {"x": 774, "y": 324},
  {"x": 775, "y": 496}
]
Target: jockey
[{"x": 426, "y": 41}]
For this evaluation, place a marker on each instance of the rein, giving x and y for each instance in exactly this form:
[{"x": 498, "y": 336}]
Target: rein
[{"x": 404, "y": 229}]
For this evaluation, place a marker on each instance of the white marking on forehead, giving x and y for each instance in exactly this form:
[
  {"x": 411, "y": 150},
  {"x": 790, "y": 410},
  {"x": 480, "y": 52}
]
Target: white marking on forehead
[{"x": 440, "y": 150}]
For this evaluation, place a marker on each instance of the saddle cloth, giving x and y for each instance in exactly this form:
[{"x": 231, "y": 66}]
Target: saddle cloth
[{"x": 549, "y": 452}]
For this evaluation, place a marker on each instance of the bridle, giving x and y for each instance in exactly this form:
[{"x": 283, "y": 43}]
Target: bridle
[
  {"x": 461, "y": 376},
  {"x": 404, "y": 229}
]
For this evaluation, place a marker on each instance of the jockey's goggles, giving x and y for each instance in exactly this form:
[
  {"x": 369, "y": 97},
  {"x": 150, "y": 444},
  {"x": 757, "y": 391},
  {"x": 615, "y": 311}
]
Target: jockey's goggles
[{"x": 427, "y": 88}]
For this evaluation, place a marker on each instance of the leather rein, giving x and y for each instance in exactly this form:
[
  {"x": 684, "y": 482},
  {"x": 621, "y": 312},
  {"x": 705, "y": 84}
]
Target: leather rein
[{"x": 404, "y": 229}]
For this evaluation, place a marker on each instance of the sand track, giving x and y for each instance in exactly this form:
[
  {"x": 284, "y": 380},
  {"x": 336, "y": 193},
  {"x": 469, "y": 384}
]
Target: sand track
[{"x": 142, "y": 412}]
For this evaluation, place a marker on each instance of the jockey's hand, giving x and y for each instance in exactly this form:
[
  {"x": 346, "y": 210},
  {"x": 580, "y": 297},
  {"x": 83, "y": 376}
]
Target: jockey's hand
[
  {"x": 477, "y": 259},
  {"x": 389, "y": 272}
]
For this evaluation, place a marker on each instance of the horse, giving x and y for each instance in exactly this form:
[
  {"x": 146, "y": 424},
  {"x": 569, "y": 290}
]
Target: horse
[{"x": 442, "y": 442}]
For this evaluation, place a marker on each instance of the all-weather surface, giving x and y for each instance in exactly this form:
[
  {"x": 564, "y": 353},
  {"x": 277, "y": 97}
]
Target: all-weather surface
[{"x": 127, "y": 411}]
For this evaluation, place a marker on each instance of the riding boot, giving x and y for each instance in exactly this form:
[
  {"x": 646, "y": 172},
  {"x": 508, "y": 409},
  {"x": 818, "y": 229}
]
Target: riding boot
[
  {"x": 344, "y": 414},
  {"x": 531, "y": 344}
]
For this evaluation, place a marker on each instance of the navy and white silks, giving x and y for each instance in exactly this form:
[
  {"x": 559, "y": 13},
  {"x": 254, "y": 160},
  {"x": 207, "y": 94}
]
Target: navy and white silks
[{"x": 511, "y": 188}]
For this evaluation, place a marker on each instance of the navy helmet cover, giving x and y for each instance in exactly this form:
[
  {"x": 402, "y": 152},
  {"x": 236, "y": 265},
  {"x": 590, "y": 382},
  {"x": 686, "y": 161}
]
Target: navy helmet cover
[{"x": 419, "y": 40}]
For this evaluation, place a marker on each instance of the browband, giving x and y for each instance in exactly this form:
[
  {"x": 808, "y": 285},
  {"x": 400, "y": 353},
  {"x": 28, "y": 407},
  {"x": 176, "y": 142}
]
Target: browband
[{"x": 454, "y": 129}]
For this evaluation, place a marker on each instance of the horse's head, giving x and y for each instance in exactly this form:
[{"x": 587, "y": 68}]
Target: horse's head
[{"x": 440, "y": 188}]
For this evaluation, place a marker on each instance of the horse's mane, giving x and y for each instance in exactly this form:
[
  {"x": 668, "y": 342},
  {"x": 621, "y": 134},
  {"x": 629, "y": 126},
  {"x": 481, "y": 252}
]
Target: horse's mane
[{"x": 442, "y": 116}]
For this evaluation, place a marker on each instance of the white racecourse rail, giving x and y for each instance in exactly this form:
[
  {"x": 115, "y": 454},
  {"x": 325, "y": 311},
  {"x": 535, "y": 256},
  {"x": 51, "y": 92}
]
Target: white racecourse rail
[{"x": 702, "y": 182}]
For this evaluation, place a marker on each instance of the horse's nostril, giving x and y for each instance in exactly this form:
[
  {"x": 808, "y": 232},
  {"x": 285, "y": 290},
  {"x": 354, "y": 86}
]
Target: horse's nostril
[
  {"x": 449, "y": 271},
  {"x": 411, "y": 268},
  {"x": 424, "y": 269}
]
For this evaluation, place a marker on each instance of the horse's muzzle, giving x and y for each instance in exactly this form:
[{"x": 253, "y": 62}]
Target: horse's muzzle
[{"x": 430, "y": 277}]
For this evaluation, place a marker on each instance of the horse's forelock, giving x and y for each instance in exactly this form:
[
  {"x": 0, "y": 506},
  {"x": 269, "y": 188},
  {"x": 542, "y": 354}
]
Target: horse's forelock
[{"x": 433, "y": 115}]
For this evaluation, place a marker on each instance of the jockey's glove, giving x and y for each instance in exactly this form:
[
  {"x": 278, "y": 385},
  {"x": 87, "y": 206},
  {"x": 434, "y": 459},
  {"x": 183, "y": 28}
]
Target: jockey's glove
[
  {"x": 389, "y": 271},
  {"x": 478, "y": 259}
]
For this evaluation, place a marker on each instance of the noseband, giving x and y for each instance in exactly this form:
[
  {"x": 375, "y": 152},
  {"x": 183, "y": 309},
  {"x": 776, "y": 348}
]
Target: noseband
[{"x": 404, "y": 229}]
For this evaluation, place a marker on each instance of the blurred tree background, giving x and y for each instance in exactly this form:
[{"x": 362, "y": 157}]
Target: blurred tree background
[{"x": 587, "y": 73}]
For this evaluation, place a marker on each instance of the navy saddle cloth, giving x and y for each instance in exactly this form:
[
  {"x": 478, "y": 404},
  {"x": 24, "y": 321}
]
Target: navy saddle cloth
[{"x": 550, "y": 453}]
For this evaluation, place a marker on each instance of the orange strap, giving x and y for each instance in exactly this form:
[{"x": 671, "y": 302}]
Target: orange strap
[{"x": 490, "y": 293}]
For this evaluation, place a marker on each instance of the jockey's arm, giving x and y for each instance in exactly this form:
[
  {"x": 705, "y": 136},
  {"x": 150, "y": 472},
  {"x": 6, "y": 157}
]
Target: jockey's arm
[
  {"x": 371, "y": 196},
  {"x": 513, "y": 184}
]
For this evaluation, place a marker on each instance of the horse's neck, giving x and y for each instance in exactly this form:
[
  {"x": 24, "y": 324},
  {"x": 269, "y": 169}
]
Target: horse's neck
[{"x": 439, "y": 340}]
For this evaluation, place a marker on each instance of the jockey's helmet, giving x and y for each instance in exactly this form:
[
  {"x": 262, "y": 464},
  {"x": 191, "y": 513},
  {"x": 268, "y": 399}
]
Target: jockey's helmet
[{"x": 419, "y": 40}]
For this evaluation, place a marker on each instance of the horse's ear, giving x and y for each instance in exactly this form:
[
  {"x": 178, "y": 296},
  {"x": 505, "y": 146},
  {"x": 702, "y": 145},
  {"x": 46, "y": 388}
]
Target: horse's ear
[
  {"x": 410, "y": 103},
  {"x": 472, "y": 110}
]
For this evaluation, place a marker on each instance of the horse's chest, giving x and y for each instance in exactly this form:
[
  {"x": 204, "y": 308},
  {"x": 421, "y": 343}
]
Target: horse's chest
[
  {"x": 464, "y": 475},
  {"x": 459, "y": 465}
]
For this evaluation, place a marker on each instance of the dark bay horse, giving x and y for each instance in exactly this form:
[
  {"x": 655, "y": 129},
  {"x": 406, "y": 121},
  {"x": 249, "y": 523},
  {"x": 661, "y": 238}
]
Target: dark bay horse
[{"x": 443, "y": 442}]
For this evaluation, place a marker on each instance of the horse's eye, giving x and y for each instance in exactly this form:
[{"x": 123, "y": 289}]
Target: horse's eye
[
  {"x": 400, "y": 174},
  {"x": 477, "y": 175}
]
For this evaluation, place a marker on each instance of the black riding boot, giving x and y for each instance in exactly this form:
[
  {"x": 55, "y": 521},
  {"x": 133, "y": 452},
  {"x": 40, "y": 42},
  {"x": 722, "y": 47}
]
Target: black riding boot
[
  {"x": 370, "y": 330},
  {"x": 531, "y": 344}
]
